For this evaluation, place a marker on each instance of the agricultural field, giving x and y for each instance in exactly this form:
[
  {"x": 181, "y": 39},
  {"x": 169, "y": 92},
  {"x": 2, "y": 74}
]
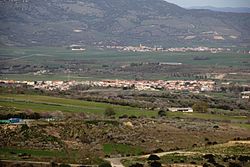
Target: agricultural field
[
  {"x": 38, "y": 103},
  {"x": 60, "y": 63}
]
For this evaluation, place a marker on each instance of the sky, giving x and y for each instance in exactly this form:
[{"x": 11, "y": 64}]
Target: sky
[{"x": 214, "y": 3}]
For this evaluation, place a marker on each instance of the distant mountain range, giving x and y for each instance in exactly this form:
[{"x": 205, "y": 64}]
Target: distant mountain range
[
  {"x": 117, "y": 22},
  {"x": 226, "y": 9}
]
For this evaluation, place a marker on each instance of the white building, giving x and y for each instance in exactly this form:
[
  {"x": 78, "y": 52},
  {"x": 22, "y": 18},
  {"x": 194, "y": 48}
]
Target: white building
[{"x": 189, "y": 109}]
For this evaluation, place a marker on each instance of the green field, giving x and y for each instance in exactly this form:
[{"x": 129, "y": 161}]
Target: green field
[
  {"x": 121, "y": 149},
  {"x": 45, "y": 103},
  {"x": 40, "y": 153},
  {"x": 95, "y": 59},
  {"x": 46, "y": 55},
  {"x": 39, "y": 103}
]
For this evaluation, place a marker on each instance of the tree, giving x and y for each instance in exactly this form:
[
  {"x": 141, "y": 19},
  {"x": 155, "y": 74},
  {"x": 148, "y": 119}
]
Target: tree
[
  {"x": 109, "y": 111},
  {"x": 200, "y": 107},
  {"x": 162, "y": 113}
]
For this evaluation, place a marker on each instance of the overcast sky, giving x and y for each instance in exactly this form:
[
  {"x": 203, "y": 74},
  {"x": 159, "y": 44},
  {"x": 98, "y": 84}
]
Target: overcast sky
[{"x": 214, "y": 3}]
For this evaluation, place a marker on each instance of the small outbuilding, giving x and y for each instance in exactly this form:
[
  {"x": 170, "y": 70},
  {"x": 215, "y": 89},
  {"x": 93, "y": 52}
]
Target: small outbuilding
[{"x": 174, "y": 109}]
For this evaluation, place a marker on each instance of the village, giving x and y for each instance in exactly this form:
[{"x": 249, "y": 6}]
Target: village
[
  {"x": 142, "y": 48},
  {"x": 192, "y": 86},
  {"x": 175, "y": 85}
]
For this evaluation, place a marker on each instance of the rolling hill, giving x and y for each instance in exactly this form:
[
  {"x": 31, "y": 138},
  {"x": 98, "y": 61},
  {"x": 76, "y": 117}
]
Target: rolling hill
[
  {"x": 225, "y": 9},
  {"x": 123, "y": 22}
]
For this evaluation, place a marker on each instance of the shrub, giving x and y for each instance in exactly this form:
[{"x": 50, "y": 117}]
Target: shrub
[
  {"x": 159, "y": 150},
  {"x": 233, "y": 164},
  {"x": 64, "y": 165},
  {"x": 243, "y": 158},
  {"x": 123, "y": 116},
  {"x": 216, "y": 127},
  {"x": 155, "y": 164},
  {"x": 109, "y": 112},
  {"x": 210, "y": 158},
  {"x": 105, "y": 164},
  {"x": 200, "y": 107},
  {"x": 153, "y": 157},
  {"x": 24, "y": 127},
  {"x": 136, "y": 165},
  {"x": 162, "y": 113},
  {"x": 132, "y": 117}
]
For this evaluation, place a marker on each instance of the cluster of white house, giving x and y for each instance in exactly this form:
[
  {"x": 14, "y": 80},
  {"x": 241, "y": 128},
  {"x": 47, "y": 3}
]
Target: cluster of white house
[
  {"x": 142, "y": 48},
  {"x": 179, "y": 85}
]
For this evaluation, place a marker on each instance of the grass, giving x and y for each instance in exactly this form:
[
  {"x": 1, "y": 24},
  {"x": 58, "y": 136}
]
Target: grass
[
  {"x": 123, "y": 149},
  {"x": 9, "y": 153},
  {"x": 227, "y": 149},
  {"x": 39, "y": 103},
  {"x": 205, "y": 116},
  {"x": 61, "y": 156},
  {"x": 54, "y": 57},
  {"x": 220, "y": 152},
  {"x": 179, "y": 158},
  {"x": 33, "y": 152},
  {"x": 46, "y": 103},
  {"x": 246, "y": 126}
]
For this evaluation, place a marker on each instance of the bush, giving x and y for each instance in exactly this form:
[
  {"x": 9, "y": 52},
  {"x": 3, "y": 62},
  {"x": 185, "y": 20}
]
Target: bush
[
  {"x": 64, "y": 165},
  {"x": 109, "y": 112},
  {"x": 159, "y": 150},
  {"x": 123, "y": 116},
  {"x": 132, "y": 117},
  {"x": 216, "y": 127},
  {"x": 155, "y": 164},
  {"x": 210, "y": 158},
  {"x": 24, "y": 127},
  {"x": 136, "y": 165},
  {"x": 233, "y": 164},
  {"x": 162, "y": 113},
  {"x": 105, "y": 164},
  {"x": 153, "y": 157},
  {"x": 200, "y": 107},
  {"x": 244, "y": 159}
]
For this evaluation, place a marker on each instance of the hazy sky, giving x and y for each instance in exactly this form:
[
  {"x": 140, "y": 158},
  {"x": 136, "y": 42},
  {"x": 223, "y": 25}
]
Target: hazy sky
[{"x": 215, "y": 3}]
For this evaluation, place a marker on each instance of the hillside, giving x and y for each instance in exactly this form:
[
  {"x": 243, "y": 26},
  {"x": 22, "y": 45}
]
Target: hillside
[
  {"x": 124, "y": 22},
  {"x": 225, "y": 9}
]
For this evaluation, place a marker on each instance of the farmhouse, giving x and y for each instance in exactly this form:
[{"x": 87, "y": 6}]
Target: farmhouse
[{"x": 181, "y": 109}]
